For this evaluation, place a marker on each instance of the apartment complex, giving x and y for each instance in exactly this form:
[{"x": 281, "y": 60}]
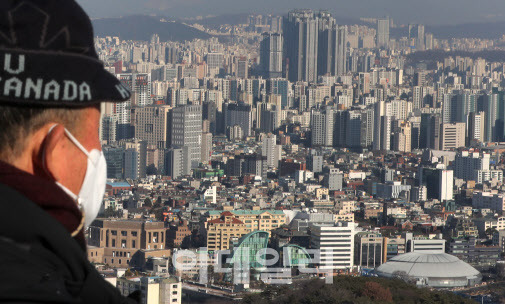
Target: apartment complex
[
  {"x": 223, "y": 230},
  {"x": 265, "y": 220},
  {"x": 489, "y": 200},
  {"x": 223, "y": 227}
]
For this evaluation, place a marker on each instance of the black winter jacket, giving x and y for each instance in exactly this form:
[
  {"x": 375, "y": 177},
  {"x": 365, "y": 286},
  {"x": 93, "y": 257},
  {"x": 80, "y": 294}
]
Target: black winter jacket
[{"x": 40, "y": 262}]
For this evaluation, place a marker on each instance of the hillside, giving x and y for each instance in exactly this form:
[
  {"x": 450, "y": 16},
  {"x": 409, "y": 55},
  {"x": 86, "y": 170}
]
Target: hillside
[
  {"x": 143, "y": 27},
  {"x": 215, "y": 22},
  {"x": 352, "y": 290},
  {"x": 492, "y": 30}
]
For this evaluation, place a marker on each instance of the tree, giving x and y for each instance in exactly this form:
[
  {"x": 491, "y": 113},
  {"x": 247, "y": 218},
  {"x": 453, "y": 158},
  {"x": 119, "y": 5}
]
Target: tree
[
  {"x": 151, "y": 170},
  {"x": 490, "y": 231},
  {"x": 376, "y": 292},
  {"x": 110, "y": 212},
  {"x": 148, "y": 202}
]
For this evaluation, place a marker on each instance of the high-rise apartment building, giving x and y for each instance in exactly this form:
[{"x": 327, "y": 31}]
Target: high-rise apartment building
[
  {"x": 271, "y": 55},
  {"x": 242, "y": 68},
  {"x": 271, "y": 150},
  {"x": 474, "y": 165},
  {"x": 321, "y": 125},
  {"x": 382, "y": 126},
  {"x": 206, "y": 147},
  {"x": 403, "y": 137},
  {"x": 140, "y": 85},
  {"x": 383, "y": 33},
  {"x": 332, "y": 46},
  {"x": 476, "y": 127},
  {"x": 300, "y": 30}
]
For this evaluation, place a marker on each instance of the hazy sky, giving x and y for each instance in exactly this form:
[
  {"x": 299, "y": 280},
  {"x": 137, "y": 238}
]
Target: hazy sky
[{"x": 403, "y": 11}]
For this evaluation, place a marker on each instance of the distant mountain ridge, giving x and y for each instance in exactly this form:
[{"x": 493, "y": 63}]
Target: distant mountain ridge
[{"x": 140, "y": 27}]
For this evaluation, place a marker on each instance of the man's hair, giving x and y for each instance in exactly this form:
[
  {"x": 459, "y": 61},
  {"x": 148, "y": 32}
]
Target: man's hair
[{"x": 17, "y": 123}]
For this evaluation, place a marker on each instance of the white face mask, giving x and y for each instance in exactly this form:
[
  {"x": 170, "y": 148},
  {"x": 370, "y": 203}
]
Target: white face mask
[{"x": 90, "y": 196}]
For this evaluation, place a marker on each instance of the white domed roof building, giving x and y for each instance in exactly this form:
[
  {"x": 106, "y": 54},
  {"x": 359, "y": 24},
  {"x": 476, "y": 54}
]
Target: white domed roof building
[{"x": 439, "y": 270}]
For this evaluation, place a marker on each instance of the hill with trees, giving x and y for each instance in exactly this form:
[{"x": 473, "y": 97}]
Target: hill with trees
[
  {"x": 351, "y": 290},
  {"x": 143, "y": 27}
]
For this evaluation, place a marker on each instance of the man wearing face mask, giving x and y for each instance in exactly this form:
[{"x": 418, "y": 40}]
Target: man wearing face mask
[{"x": 52, "y": 169}]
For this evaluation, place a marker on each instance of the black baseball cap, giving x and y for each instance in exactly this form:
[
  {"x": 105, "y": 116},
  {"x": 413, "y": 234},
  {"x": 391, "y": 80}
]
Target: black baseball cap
[{"x": 48, "y": 57}]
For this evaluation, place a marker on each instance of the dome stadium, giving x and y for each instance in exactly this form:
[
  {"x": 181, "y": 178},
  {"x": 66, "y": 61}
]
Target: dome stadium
[{"x": 439, "y": 270}]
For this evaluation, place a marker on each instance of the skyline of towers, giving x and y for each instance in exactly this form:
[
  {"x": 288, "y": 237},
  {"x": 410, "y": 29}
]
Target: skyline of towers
[{"x": 314, "y": 45}]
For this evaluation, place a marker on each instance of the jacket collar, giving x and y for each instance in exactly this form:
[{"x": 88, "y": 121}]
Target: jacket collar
[{"x": 47, "y": 195}]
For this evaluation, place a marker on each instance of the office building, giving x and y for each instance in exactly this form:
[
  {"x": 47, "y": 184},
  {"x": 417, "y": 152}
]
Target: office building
[
  {"x": 315, "y": 162},
  {"x": 247, "y": 164},
  {"x": 135, "y": 159},
  {"x": 446, "y": 185},
  {"x": 239, "y": 115},
  {"x": 424, "y": 244},
  {"x": 335, "y": 180},
  {"x": 393, "y": 189},
  {"x": 177, "y": 162},
  {"x": 452, "y": 136},
  {"x": 115, "y": 158},
  {"x": 215, "y": 61},
  {"x": 152, "y": 125},
  {"x": 336, "y": 245},
  {"x": 140, "y": 84},
  {"x": 368, "y": 249},
  {"x": 332, "y": 46},
  {"x": 116, "y": 242},
  {"x": 186, "y": 130},
  {"x": 439, "y": 183}
]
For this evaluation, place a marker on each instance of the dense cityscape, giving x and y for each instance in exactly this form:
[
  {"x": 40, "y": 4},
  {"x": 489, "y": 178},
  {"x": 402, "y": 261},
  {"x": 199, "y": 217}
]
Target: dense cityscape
[{"x": 283, "y": 149}]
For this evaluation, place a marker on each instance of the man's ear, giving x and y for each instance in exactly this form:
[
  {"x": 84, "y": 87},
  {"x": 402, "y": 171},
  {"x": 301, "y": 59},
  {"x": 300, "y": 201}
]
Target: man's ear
[{"x": 48, "y": 153}]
